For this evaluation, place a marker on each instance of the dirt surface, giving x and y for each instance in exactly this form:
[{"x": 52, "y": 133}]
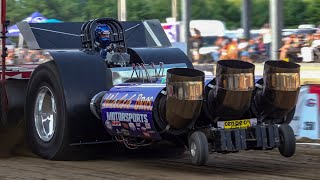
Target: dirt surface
[{"x": 162, "y": 165}]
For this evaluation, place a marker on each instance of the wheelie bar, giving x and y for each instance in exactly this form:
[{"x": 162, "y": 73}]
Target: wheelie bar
[{"x": 256, "y": 137}]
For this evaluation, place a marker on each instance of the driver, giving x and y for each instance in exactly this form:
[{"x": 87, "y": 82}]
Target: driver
[{"x": 102, "y": 33}]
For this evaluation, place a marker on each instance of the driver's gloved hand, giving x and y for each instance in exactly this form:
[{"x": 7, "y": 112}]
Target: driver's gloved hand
[
  {"x": 103, "y": 53},
  {"x": 109, "y": 48}
]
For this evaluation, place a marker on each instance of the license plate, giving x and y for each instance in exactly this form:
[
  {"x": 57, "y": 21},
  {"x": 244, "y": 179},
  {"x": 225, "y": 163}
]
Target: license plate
[{"x": 237, "y": 124}]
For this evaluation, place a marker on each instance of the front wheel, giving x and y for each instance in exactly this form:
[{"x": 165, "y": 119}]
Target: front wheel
[
  {"x": 287, "y": 146},
  {"x": 198, "y": 145}
]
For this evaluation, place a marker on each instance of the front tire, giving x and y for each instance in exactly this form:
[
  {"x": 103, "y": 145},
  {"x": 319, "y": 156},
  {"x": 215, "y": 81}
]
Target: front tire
[
  {"x": 198, "y": 145},
  {"x": 45, "y": 111},
  {"x": 287, "y": 146}
]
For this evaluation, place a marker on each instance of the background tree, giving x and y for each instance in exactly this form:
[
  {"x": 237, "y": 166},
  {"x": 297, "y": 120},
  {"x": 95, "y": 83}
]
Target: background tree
[{"x": 295, "y": 11}]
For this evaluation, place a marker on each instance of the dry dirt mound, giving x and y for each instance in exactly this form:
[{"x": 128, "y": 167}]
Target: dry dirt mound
[
  {"x": 307, "y": 140},
  {"x": 13, "y": 141}
]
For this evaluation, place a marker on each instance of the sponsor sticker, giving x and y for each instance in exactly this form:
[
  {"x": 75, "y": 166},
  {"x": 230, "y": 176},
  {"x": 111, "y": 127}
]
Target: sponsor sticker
[
  {"x": 125, "y": 125},
  {"x": 139, "y": 102},
  {"x": 132, "y": 126},
  {"x": 115, "y": 123},
  {"x": 127, "y": 117},
  {"x": 148, "y": 126},
  {"x": 108, "y": 124},
  {"x": 309, "y": 125},
  {"x": 311, "y": 102},
  {"x": 237, "y": 124}
]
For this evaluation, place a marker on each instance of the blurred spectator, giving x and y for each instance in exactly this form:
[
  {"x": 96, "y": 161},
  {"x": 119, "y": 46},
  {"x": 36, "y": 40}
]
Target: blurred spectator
[
  {"x": 291, "y": 49},
  {"x": 219, "y": 43},
  {"x": 311, "y": 52},
  {"x": 245, "y": 56},
  {"x": 253, "y": 49},
  {"x": 10, "y": 59},
  {"x": 196, "y": 43},
  {"x": 266, "y": 36},
  {"x": 242, "y": 46},
  {"x": 232, "y": 49}
]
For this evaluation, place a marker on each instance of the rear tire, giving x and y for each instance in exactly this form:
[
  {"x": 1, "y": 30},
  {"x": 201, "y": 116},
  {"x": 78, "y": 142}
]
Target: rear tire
[
  {"x": 198, "y": 145},
  {"x": 287, "y": 146},
  {"x": 45, "y": 114}
]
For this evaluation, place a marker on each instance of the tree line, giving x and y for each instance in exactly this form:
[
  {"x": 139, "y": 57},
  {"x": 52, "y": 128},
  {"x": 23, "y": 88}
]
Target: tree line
[{"x": 295, "y": 12}]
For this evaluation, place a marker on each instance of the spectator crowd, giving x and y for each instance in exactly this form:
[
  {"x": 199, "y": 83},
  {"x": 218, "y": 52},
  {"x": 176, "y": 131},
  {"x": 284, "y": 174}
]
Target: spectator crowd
[
  {"x": 26, "y": 56},
  {"x": 295, "y": 48}
]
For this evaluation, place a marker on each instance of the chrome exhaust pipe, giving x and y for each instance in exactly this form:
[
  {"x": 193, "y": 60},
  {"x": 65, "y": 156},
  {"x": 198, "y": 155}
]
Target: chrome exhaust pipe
[
  {"x": 230, "y": 95},
  {"x": 280, "y": 89},
  {"x": 184, "y": 96}
]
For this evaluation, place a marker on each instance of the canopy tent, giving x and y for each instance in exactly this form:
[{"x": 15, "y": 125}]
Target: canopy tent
[
  {"x": 35, "y": 17},
  {"x": 51, "y": 21}
]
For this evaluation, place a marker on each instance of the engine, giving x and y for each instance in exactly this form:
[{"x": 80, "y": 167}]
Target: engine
[
  {"x": 152, "y": 110},
  {"x": 148, "y": 109}
]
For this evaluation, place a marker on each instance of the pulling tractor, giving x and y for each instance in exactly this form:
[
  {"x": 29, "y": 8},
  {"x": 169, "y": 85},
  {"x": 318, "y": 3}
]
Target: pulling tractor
[{"x": 143, "y": 92}]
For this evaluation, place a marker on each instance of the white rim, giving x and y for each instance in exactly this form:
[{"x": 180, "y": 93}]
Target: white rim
[
  {"x": 45, "y": 114},
  {"x": 193, "y": 149}
]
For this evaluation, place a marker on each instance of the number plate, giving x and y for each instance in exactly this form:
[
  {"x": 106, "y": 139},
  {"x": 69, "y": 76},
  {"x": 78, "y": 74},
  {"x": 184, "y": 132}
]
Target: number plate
[{"x": 237, "y": 124}]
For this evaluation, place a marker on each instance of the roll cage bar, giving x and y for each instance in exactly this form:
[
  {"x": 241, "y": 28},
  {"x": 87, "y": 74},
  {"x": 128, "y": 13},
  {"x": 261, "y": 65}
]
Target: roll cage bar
[{"x": 88, "y": 33}]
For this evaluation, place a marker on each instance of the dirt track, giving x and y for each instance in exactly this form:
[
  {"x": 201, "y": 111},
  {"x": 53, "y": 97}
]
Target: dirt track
[{"x": 244, "y": 165}]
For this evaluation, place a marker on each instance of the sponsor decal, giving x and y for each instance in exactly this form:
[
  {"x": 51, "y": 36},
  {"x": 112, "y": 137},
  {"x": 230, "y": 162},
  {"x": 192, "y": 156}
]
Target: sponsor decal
[
  {"x": 108, "y": 124},
  {"x": 115, "y": 123},
  {"x": 125, "y": 125},
  {"x": 132, "y": 126},
  {"x": 237, "y": 123},
  {"x": 309, "y": 126},
  {"x": 311, "y": 102},
  {"x": 113, "y": 102},
  {"x": 139, "y": 102},
  {"x": 143, "y": 103},
  {"x": 147, "y": 125},
  {"x": 127, "y": 117}
]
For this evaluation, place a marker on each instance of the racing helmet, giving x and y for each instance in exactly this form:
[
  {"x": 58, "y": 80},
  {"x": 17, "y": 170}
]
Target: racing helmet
[{"x": 102, "y": 35}]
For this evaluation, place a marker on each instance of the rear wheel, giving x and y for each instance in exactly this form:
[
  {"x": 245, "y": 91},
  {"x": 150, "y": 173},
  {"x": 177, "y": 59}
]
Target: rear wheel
[{"x": 46, "y": 121}]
